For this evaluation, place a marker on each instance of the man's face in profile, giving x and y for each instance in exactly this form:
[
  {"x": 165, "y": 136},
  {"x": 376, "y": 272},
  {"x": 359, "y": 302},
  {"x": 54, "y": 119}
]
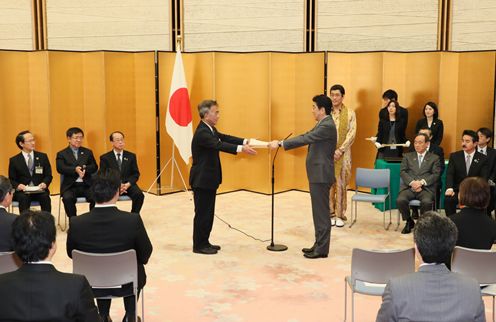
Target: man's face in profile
[{"x": 212, "y": 115}]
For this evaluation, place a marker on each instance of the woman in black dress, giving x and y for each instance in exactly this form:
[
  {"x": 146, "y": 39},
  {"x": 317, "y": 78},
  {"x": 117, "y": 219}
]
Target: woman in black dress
[
  {"x": 432, "y": 121},
  {"x": 391, "y": 131}
]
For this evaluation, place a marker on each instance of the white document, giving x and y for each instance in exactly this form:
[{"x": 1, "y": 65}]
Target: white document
[{"x": 254, "y": 143}]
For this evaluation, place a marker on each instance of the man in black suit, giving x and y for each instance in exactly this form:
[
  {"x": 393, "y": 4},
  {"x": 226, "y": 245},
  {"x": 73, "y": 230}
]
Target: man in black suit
[
  {"x": 106, "y": 229},
  {"x": 6, "y": 218},
  {"x": 485, "y": 137},
  {"x": 37, "y": 291},
  {"x": 125, "y": 162},
  {"x": 388, "y": 96},
  {"x": 206, "y": 173},
  {"x": 465, "y": 163},
  {"x": 77, "y": 165},
  {"x": 30, "y": 170}
]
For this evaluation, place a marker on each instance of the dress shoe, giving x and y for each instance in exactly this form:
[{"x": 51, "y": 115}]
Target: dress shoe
[
  {"x": 216, "y": 247},
  {"x": 415, "y": 213},
  {"x": 314, "y": 255},
  {"x": 106, "y": 318},
  {"x": 205, "y": 250},
  {"x": 408, "y": 226},
  {"x": 308, "y": 250},
  {"x": 130, "y": 318}
]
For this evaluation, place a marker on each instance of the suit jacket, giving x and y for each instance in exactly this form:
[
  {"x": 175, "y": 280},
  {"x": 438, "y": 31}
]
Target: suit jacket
[
  {"x": 475, "y": 228},
  {"x": 6, "y": 220},
  {"x": 402, "y": 112},
  {"x": 457, "y": 170},
  {"x": 437, "y": 129},
  {"x": 129, "y": 169},
  {"x": 491, "y": 163},
  {"x": 206, "y": 171},
  {"x": 19, "y": 172},
  {"x": 321, "y": 141},
  {"x": 38, "y": 292},
  {"x": 437, "y": 150},
  {"x": 399, "y": 131},
  {"x": 429, "y": 170},
  {"x": 66, "y": 165},
  {"x": 432, "y": 294},
  {"x": 109, "y": 230}
]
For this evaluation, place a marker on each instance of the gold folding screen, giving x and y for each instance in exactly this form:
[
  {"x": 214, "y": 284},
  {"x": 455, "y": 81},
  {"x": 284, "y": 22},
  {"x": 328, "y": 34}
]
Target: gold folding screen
[{"x": 262, "y": 95}]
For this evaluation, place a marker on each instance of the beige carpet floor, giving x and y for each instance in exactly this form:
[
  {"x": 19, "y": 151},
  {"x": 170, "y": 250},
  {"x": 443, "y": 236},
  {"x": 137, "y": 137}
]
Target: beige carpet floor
[{"x": 245, "y": 282}]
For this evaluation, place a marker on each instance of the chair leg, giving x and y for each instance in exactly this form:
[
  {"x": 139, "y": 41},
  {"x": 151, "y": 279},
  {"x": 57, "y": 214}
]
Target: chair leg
[
  {"x": 353, "y": 219},
  {"x": 493, "y": 310},
  {"x": 142, "y": 305},
  {"x": 65, "y": 219},
  {"x": 345, "y": 297},
  {"x": 352, "y": 306}
]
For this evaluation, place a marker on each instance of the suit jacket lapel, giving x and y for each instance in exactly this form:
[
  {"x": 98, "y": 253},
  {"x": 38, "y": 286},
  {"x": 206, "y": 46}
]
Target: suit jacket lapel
[{"x": 24, "y": 164}]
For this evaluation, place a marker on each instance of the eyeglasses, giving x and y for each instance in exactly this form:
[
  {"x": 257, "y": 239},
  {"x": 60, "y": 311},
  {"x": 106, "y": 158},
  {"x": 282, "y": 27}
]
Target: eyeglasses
[{"x": 78, "y": 137}]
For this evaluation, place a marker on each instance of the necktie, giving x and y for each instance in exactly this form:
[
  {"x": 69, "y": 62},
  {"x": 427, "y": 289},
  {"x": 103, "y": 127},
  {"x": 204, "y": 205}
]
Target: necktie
[
  {"x": 420, "y": 160},
  {"x": 119, "y": 161},
  {"x": 482, "y": 151},
  {"x": 467, "y": 163},
  {"x": 75, "y": 152},
  {"x": 30, "y": 164}
]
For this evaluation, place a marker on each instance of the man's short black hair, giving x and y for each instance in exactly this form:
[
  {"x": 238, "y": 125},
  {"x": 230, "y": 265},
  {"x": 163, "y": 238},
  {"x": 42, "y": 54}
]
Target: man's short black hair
[
  {"x": 73, "y": 130},
  {"x": 33, "y": 234},
  {"x": 105, "y": 184},
  {"x": 426, "y": 138},
  {"x": 390, "y": 94},
  {"x": 323, "y": 101},
  {"x": 486, "y": 132},
  {"x": 5, "y": 187},
  {"x": 471, "y": 133},
  {"x": 111, "y": 137},
  {"x": 435, "y": 237},
  {"x": 337, "y": 87},
  {"x": 20, "y": 138}
]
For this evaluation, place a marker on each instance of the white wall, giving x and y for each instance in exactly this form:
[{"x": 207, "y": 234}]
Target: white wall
[{"x": 16, "y": 31}]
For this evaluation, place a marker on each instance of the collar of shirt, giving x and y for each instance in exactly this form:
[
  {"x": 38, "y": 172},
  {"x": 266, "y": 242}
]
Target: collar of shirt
[
  {"x": 121, "y": 153},
  {"x": 27, "y": 154},
  {"x": 421, "y": 155},
  {"x": 211, "y": 128},
  {"x": 74, "y": 150},
  {"x": 41, "y": 262},
  {"x": 105, "y": 206},
  {"x": 482, "y": 150},
  {"x": 3, "y": 207},
  {"x": 428, "y": 264},
  {"x": 322, "y": 119},
  {"x": 471, "y": 154}
]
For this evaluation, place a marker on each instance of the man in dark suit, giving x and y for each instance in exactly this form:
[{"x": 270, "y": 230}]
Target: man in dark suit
[
  {"x": 388, "y": 96},
  {"x": 420, "y": 172},
  {"x": 321, "y": 141},
  {"x": 106, "y": 229},
  {"x": 30, "y": 170},
  {"x": 433, "y": 293},
  {"x": 125, "y": 162},
  {"x": 485, "y": 137},
  {"x": 37, "y": 291},
  {"x": 465, "y": 163},
  {"x": 206, "y": 173},
  {"x": 6, "y": 218},
  {"x": 77, "y": 165}
]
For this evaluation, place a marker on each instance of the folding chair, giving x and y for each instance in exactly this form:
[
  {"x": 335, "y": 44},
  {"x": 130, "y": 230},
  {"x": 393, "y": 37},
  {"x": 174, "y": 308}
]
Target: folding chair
[
  {"x": 479, "y": 264},
  {"x": 78, "y": 200},
  {"x": 9, "y": 262},
  {"x": 375, "y": 179},
  {"x": 15, "y": 204},
  {"x": 415, "y": 203},
  {"x": 110, "y": 270},
  {"x": 372, "y": 269}
]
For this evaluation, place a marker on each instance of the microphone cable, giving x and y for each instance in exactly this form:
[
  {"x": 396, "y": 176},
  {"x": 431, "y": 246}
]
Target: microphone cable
[{"x": 239, "y": 230}]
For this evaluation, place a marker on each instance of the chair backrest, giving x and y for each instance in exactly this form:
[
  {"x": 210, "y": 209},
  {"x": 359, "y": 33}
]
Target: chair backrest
[
  {"x": 477, "y": 263},
  {"x": 107, "y": 270},
  {"x": 372, "y": 178},
  {"x": 378, "y": 266},
  {"x": 9, "y": 262}
]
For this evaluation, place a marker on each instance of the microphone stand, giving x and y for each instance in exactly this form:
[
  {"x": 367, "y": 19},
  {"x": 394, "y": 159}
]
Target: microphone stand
[{"x": 275, "y": 247}]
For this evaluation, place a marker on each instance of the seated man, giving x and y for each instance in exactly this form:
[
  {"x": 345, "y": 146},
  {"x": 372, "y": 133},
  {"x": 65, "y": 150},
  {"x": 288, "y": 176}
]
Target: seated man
[
  {"x": 6, "y": 218},
  {"x": 433, "y": 293},
  {"x": 106, "y": 229},
  {"x": 30, "y": 169},
  {"x": 420, "y": 172},
  {"x": 77, "y": 165},
  {"x": 125, "y": 162},
  {"x": 465, "y": 163},
  {"x": 37, "y": 291}
]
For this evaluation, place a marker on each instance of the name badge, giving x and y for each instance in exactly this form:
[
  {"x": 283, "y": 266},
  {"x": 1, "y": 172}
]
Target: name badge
[{"x": 38, "y": 170}]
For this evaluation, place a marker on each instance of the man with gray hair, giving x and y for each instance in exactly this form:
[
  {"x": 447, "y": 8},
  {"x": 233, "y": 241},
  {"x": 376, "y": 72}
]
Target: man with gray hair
[
  {"x": 206, "y": 173},
  {"x": 6, "y": 218},
  {"x": 434, "y": 293}
]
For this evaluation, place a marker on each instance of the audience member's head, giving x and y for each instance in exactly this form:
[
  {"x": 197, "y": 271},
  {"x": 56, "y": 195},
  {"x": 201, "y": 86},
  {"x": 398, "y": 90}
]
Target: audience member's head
[
  {"x": 117, "y": 140},
  {"x": 336, "y": 93},
  {"x": 6, "y": 192},
  {"x": 393, "y": 109},
  {"x": 474, "y": 193},
  {"x": 469, "y": 141},
  {"x": 105, "y": 186},
  {"x": 389, "y": 95},
  {"x": 25, "y": 141},
  {"x": 75, "y": 137},
  {"x": 485, "y": 135},
  {"x": 435, "y": 237},
  {"x": 323, "y": 102},
  {"x": 421, "y": 143},
  {"x": 427, "y": 131},
  {"x": 430, "y": 110},
  {"x": 33, "y": 236}
]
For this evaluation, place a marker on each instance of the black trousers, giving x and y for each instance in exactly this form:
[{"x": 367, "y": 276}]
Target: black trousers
[
  {"x": 69, "y": 197},
  {"x": 104, "y": 304},
  {"x": 137, "y": 198},
  {"x": 25, "y": 199},
  {"x": 426, "y": 201},
  {"x": 450, "y": 203},
  {"x": 204, "y": 216}
]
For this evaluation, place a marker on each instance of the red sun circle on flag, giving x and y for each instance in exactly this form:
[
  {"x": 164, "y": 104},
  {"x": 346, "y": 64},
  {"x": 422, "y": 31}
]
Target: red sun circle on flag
[{"x": 180, "y": 108}]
